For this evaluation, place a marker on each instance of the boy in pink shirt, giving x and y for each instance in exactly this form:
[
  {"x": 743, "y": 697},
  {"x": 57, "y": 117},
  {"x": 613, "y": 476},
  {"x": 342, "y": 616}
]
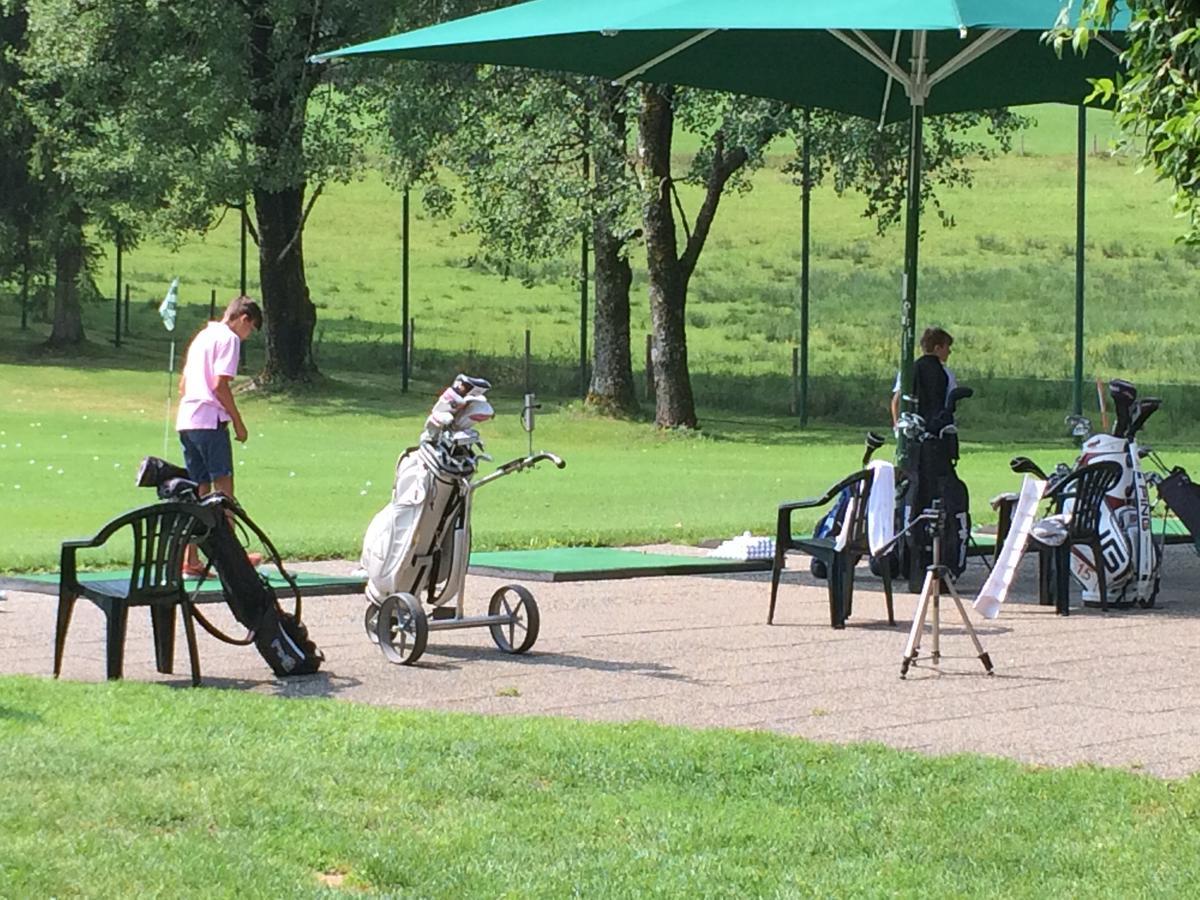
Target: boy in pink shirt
[{"x": 207, "y": 407}]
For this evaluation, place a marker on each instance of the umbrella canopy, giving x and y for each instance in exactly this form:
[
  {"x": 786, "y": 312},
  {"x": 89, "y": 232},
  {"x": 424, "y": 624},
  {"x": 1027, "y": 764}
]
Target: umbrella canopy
[
  {"x": 853, "y": 56},
  {"x": 883, "y": 60}
]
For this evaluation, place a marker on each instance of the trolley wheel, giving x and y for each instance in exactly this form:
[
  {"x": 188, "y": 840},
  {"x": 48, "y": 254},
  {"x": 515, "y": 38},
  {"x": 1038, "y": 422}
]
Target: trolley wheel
[
  {"x": 402, "y": 629},
  {"x": 521, "y": 632},
  {"x": 371, "y": 621}
]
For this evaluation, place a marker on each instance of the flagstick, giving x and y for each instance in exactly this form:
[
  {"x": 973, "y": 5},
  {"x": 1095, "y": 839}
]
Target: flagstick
[{"x": 170, "y": 379}]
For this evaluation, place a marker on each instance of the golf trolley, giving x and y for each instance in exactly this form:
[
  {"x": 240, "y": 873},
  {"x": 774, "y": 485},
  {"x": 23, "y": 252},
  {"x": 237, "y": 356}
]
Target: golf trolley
[{"x": 417, "y": 548}]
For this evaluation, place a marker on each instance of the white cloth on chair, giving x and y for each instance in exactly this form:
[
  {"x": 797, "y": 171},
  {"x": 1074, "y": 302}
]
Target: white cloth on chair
[
  {"x": 881, "y": 509},
  {"x": 995, "y": 589}
]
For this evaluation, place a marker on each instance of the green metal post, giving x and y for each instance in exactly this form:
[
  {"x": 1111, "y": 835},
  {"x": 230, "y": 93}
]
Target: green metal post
[
  {"x": 1080, "y": 183},
  {"x": 404, "y": 353},
  {"x": 805, "y": 204}
]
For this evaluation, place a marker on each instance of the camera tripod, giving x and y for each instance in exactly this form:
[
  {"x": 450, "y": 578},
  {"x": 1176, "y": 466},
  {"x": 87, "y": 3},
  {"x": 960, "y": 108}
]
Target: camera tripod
[{"x": 931, "y": 595}]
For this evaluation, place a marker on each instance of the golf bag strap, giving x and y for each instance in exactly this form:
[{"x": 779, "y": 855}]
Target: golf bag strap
[
  {"x": 276, "y": 561},
  {"x": 217, "y": 632}
]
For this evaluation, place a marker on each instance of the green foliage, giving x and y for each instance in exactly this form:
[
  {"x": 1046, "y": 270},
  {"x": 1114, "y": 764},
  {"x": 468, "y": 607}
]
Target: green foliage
[
  {"x": 126, "y": 789},
  {"x": 1158, "y": 101}
]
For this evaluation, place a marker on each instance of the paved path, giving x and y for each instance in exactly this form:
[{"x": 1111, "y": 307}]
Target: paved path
[{"x": 1120, "y": 689}]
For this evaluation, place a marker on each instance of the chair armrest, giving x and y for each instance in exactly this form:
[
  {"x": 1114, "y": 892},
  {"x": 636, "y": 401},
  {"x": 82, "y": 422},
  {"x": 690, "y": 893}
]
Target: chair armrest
[{"x": 807, "y": 504}]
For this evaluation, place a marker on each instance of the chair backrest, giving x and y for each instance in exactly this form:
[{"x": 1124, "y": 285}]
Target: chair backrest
[
  {"x": 1086, "y": 487},
  {"x": 854, "y": 525},
  {"x": 160, "y": 535}
]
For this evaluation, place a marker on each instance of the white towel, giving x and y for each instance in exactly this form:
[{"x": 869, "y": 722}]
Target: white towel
[
  {"x": 995, "y": 589},
  {"x": 881, "y": 512}
]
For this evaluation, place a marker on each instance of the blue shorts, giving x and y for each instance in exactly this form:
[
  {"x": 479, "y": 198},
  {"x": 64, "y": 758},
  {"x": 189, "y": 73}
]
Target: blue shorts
[{"x": 207, "y": 453}]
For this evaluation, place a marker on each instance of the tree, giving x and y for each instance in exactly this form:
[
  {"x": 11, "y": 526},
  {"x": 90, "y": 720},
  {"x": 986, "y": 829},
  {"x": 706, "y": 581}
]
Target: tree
[
  {"x": 495, "y": 128},
  {"x": 1158, "y": 102},
  {"x": 184, "y": 109},
  {"x": 737, "y": 130},
  {"x": 19, "y": 200}
]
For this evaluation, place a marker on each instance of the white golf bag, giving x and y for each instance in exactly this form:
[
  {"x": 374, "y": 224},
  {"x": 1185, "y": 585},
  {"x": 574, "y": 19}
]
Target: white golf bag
[
  {"x": 1131, "y": 556},
  {"x": 406, "y": 546},
  {"x": 412, "y": 543}
]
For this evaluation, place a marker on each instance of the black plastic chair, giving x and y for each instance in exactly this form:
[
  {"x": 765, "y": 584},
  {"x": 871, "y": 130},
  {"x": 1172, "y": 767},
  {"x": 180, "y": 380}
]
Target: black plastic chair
[
  {"x": 1085, "y": 487},
  {"x": 160, "y": 535},
  {"x": 839, "y": 564}
]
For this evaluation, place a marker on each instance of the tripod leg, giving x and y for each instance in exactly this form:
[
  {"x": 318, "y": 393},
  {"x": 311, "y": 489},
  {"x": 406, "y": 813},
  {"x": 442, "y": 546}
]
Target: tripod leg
[
  {"x": 918, "y": 625},
  {"x": 936, "y": 655},
  {"x": 983, "y": 656}
]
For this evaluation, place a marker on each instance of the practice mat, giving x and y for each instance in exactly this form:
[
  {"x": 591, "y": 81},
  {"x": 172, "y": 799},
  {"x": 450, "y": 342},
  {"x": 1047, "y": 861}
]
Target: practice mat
[
  {"x": 600, "y": 563},
  {"x": 310, "y": 584}
]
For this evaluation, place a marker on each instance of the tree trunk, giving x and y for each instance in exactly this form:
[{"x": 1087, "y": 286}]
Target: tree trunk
[
  {"x": 289, "y": 314},
  {"x": 279, "y": 92},
  {"x": 67, "y": 330},
  {"x": 674, "y": 405},
  {"x": 611, "y": 388}
]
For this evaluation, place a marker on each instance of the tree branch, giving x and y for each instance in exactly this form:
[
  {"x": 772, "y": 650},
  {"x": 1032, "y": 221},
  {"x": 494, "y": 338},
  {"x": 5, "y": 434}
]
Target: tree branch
[
  {"x": 724, "y": 166},
  {"x": 300, "y": 227}
]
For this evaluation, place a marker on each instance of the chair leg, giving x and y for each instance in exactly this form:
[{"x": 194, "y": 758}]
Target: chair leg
[
  {"x": 1046, "y": 577},
  {"x": 776, "y": 571},
  {"x": 189, "y": 629},
  {"x": 887, "y": 590},
  {"x": 1101, "y": 575},
  {"x": 66, "y": 604},
  {"x": 162, "y": 620},
  {"x": 835, "y": 578},
  {"x": 1062, "y": 580},
  {"x": 850, "y": 565},
  {"x": 117, "y": 614}
]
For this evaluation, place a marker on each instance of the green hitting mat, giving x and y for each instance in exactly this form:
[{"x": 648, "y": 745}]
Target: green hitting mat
[
  {"x": 309, "y": 583},
  {"x": 600, "y": 563}
]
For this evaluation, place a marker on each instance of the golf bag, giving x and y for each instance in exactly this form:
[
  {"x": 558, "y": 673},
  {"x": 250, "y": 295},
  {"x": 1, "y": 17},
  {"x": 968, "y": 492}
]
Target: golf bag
[
  {"x": 930, "y": 472},
  {"x": 280, "y": 637},
  {"x": 409, "y": 543},
  {"x": 412, "y": 543},
  {"x": 937, "y": 478},
  {"x": 830, "y": 524},
  {"x": 1131, "y": 556}
]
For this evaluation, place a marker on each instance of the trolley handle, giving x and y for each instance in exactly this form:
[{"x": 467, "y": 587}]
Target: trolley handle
[{"x": 518, "y": 465}]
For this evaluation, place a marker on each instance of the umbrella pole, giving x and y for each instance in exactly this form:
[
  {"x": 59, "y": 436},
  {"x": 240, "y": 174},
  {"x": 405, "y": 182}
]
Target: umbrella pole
[
  {"x": 805, "y": 197},
  {"x": 912, "y": 234},
  {"x": 1080, "y": 183}
]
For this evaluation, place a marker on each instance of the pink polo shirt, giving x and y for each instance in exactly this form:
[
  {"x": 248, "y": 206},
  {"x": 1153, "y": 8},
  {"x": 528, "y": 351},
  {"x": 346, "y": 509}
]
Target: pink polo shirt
[{"x": 214, "y": 352}]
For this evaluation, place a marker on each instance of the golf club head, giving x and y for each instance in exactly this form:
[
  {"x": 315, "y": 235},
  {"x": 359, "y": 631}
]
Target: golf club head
[
  {"x": 1024, "y": 465},
  {"x": 1142, "y": 410},
  {"x": 874, "y": 442},
  {"x": 1123, "y": 394},
  {"x": 1080, "y": 426}
]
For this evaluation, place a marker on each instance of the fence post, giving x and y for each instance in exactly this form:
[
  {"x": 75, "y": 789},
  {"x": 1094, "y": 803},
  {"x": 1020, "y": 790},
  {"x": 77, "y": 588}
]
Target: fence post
[
  {"x": 117, "y": 297},
  {"x": 408, "y": 345},
  {"x": 528, "y": 355},
  {"x": 212, "y": 304},
  {"x": 127, "y": 308},
  {"x": 795, "y": 380}
]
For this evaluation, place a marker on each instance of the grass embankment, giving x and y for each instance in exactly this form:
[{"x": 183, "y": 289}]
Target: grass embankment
[{"x": 121, "y": 790}]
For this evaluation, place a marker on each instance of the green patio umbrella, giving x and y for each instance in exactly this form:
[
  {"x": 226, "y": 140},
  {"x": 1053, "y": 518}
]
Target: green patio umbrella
[{"x": 884, "y": 60}]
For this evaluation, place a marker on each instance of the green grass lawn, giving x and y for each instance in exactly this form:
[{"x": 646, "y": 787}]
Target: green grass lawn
[
  {"x": 316, "y": 468},
  {"x": 123, "y": 789}
]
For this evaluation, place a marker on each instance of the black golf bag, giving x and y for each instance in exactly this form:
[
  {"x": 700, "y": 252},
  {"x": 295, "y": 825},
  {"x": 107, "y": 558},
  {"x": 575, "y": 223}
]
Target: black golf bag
[
  {"x": 280, "y": 637},
  {"x": 934, "y": 476}
]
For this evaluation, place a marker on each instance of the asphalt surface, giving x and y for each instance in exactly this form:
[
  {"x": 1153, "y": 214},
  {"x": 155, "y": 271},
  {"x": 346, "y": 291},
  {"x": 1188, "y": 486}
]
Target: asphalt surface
[{"x": 1112, "y": 689}]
